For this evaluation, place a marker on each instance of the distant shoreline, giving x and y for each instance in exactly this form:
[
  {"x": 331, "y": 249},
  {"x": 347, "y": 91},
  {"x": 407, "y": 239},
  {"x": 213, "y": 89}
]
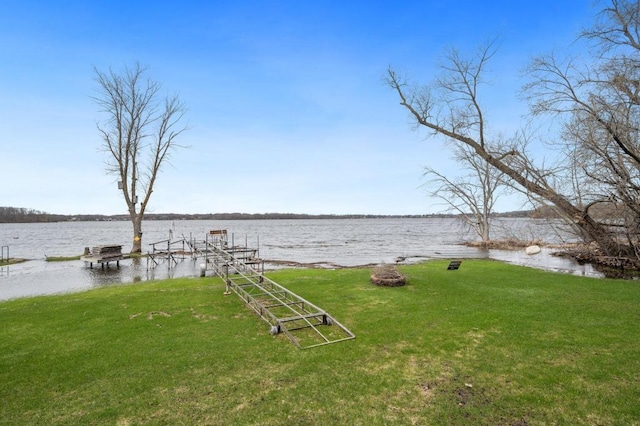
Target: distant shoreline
[{"x": 40, "y": 217}]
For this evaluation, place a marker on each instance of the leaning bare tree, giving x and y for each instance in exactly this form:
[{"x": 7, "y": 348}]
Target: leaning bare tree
[
  {"x": 451, "y": 108},
  {"x": 139, "y": 133}
]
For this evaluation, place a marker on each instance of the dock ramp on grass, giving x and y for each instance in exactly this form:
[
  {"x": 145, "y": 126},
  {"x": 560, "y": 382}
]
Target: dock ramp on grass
[{"x": 304, "y": 323}]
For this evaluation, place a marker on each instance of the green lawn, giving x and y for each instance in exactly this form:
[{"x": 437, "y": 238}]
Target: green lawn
[{"x": 490, "y": 344}]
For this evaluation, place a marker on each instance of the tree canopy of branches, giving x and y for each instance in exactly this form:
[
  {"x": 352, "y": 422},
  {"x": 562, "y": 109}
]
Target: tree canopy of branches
[
  {"x": 139, "y": 133},
  {"x": 598, "y": 103}
]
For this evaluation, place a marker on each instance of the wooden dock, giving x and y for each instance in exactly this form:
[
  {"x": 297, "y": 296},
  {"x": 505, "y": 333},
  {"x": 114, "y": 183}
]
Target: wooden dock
[{"x": 103, "y": 255}]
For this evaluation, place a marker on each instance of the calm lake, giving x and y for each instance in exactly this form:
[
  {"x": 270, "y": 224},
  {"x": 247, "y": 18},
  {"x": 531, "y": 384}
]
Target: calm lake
[{"x": 326, "y": 242}]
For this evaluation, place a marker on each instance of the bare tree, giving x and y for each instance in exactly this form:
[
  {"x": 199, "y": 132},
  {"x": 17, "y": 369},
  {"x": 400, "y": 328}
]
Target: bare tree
[
  {"x": 473, "y": 195},
  {"x": 598, "y": 105},
  {"x": 451, "y": 108},
  {"x": 139, "y": 133}
]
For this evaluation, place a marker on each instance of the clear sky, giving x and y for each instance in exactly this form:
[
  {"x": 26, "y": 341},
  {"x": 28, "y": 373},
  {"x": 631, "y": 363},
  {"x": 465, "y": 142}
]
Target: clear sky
[{"x": 286, "y": 100}]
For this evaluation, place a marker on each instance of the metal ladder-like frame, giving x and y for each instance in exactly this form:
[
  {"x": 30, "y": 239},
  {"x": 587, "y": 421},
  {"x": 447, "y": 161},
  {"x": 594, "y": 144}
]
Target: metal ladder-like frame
[{"x": 305, "y": 324}]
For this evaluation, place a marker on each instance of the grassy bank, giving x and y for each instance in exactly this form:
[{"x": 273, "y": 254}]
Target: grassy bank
[
  {"x": 487, "y": 344},
  {"x": 12, "y": 261}
]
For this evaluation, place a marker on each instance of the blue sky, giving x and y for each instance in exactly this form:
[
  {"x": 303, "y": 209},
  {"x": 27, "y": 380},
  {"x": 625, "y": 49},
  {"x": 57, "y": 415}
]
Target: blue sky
[{"x": 286, "y": 101}]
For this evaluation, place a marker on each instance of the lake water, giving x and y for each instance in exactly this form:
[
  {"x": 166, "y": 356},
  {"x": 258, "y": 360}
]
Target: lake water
[{"x": 325, "y": 243}]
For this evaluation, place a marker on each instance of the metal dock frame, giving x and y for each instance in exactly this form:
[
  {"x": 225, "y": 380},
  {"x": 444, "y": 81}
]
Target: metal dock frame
[
  {"x": 304, "y": 323},
  {"x": 163, "y": 250}
]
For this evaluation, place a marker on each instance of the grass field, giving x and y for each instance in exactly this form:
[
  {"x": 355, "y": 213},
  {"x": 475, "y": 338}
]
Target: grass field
[{"x": 490, "y": 344}]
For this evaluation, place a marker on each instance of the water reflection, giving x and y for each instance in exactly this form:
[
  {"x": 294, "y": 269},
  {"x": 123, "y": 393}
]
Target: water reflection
[
  {"x": 545, "y": 260},
  {"x": 38, "y": 277},
  {"x": 136, "y": 270}
]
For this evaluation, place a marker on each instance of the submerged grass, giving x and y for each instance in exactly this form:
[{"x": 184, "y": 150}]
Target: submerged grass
[
  {"x": 488, "y": 344},
  {"x": 61, "y": 258}
]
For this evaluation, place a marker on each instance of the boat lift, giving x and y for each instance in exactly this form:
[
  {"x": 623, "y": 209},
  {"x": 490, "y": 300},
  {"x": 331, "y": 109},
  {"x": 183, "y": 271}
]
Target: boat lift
[{"x": 305, "y": 324}]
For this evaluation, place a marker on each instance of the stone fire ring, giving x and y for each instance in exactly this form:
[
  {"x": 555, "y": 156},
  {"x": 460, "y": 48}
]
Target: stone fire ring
[{"x": 388, "y": 281}]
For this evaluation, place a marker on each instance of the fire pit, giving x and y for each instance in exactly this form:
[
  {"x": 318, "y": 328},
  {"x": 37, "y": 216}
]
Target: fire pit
[{"x": 387, "y": 276}]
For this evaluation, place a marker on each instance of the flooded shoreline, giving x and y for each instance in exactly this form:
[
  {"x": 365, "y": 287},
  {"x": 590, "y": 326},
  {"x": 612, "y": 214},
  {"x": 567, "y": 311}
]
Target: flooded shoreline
[
  {"x": 281, "y": 243},
  {"x": 39, "y": 277}
]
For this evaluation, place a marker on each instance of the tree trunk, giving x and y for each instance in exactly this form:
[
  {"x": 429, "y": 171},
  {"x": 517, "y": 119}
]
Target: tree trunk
[
  {"x": 137, "y": 234},
  {"x": 592, "y": 230},
  {"x": 485, "y": 228}
]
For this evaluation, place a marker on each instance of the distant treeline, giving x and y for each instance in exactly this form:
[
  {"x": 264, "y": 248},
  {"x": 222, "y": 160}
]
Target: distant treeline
[{"x": 24, "y": 215}]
